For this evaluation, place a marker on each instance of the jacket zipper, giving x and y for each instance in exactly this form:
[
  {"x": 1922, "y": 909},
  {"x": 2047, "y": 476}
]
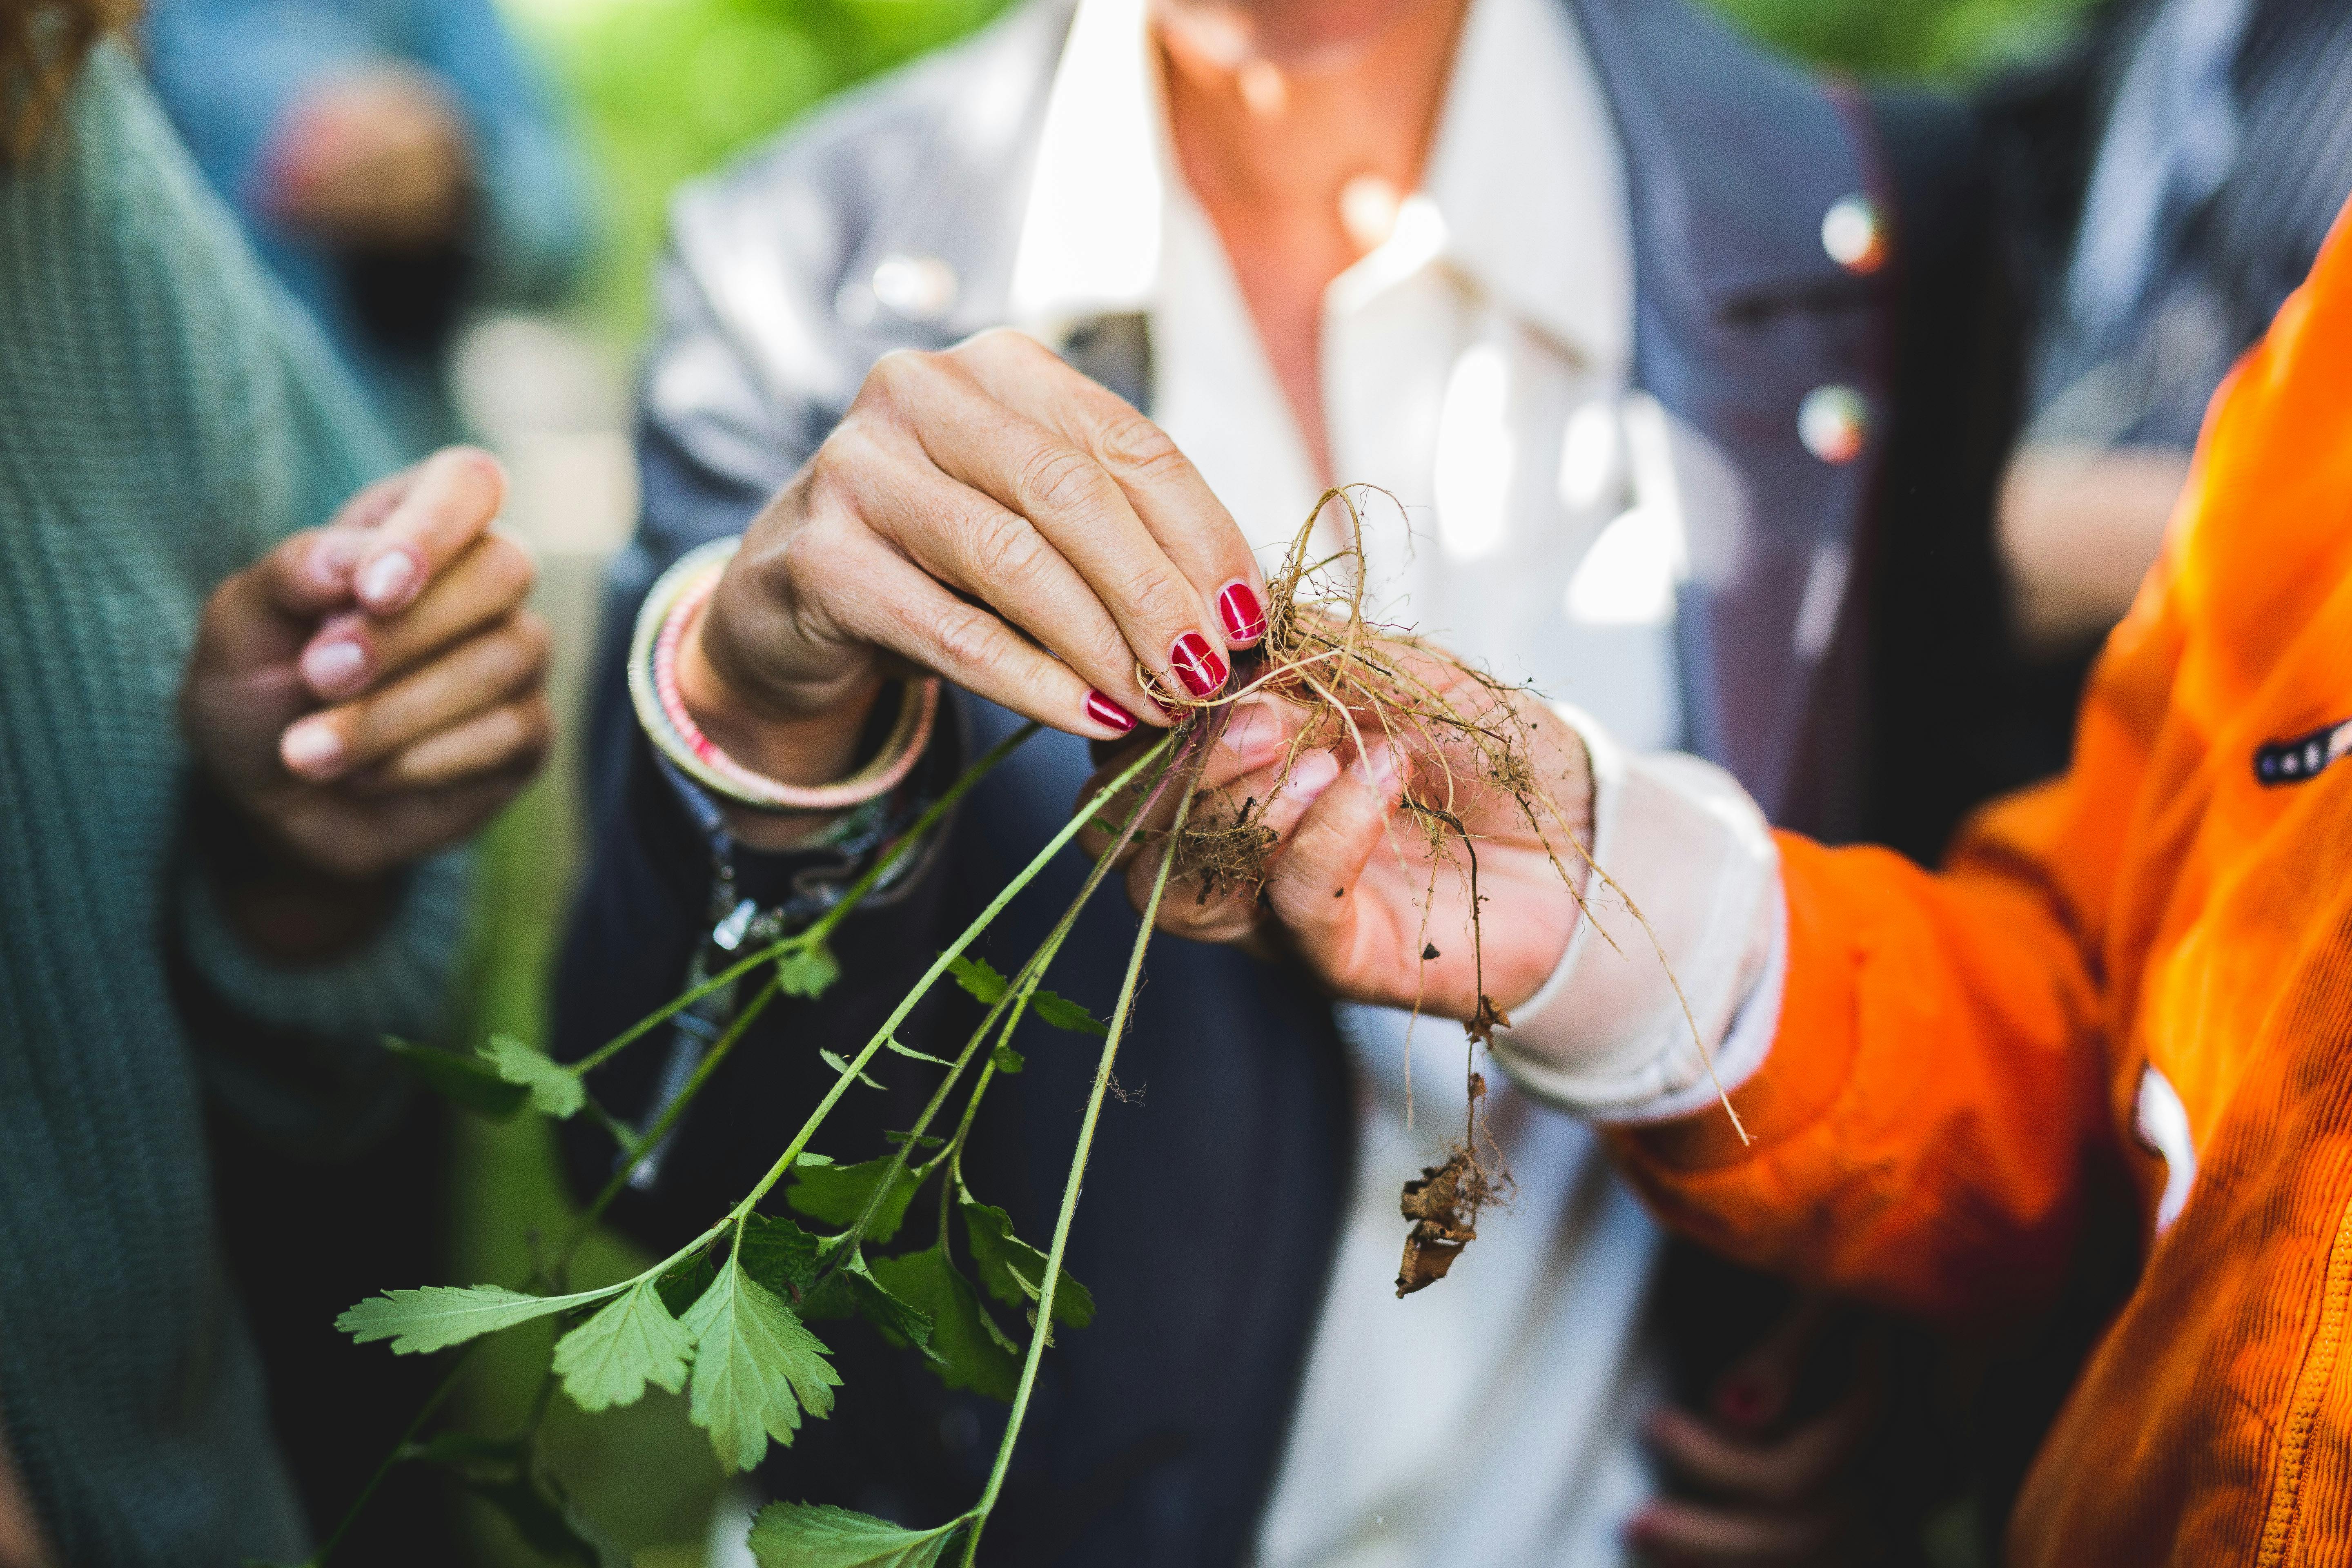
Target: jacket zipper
[{"x": 2280, "y": 1529}]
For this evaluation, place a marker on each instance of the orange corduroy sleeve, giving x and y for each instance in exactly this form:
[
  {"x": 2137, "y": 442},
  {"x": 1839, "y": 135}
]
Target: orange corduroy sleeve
[{"x": 1937, "y": 1088}]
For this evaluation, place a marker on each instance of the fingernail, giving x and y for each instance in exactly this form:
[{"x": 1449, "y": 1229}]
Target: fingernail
[
  {"x": 1109, "y": 714},
  {"x": 1200, "y": 667},
  {"x": 311, "y": 746},
  {"x": 1244, "y": 617},
  {"x": 1381, "y": 767},
  {"x": 328, "y": 666},
  {"x": 387, "y": 576},
  {"x": 1312, "y": 774}
]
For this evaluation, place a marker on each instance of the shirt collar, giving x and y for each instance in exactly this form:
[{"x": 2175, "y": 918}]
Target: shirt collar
[{"x": 1524, "y": 195}]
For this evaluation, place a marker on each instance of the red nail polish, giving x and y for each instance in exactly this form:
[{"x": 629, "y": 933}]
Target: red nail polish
[
  {"x": 1244, "y": 617},
  {"x": 1200, "y": 667},
  {"x": 1104, "y": 711},
  {"x": 1744, "y": 1401}
]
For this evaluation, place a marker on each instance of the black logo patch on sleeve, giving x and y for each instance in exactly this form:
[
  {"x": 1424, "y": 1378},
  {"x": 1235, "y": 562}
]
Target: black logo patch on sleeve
[{"x": 2305, "y": 756}]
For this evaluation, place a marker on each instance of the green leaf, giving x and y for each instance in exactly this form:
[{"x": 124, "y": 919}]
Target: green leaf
[
  {"x": 466, "y": 1080},
  {"x": 968, "y": 1351},
  {"x": 609, "y": 1359},
  {"x": 1063, "y": 1014},
  {"x": 683, "y": 1283},
  {"x": 811, "y": 1157},
  {"x": 549, "y": 1524},
  {"x": 907, "y": 1050},
  {"x": 921, "y": 1142},
  {"x": 755, "y": 1369},
  {"x": 834, "y": 1060},
  {"x": 788, "y": 1261},
  {"x": 851, "y": 1290},
  {"x": 811, "y": 1535},
  {"x": 978, "y": 976},
  {"x": 807, "y": 971},
  {"x": 1007, "y": 1060},
  {"x": 437, "y": 1316},
  {"x": 838, "y": 1195},
  {"x": 458, "y": 1449},
  {"x": 780, "y": 1255},
  {"x": 1012, "y": 1270},
  {"x": 555, "y": 1089}
]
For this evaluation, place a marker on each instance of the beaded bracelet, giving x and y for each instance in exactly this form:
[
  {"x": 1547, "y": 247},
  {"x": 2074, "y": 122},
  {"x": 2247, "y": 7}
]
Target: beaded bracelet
[{"x": 668, "y": 612}]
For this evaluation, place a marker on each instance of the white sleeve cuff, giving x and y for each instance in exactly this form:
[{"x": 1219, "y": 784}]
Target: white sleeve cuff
[{"x": 1607, "y": 1035}]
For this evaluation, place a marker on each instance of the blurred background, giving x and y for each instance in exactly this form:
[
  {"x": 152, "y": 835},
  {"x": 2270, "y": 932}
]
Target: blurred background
[{"x": 658, "y": 91}]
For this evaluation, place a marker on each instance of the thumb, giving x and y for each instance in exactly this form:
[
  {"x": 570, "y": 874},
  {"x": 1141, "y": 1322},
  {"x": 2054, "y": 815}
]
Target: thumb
[{"x": 1314, "y": 887}]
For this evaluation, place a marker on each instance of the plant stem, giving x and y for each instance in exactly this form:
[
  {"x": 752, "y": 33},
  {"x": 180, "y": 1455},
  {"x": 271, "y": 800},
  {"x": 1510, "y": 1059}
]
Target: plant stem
[
  {"x": 1070, "y": 1189},
  {"x": 709, "y": 1063},
  {"x": 980, "y": 923},
  {"x": 416, "y": 1424},
  {"x": 822, "y": 926}
]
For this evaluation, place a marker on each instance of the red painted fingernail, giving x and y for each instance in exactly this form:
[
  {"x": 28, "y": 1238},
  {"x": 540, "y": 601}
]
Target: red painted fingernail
[
  {"x": 1244, "y": 617},
  {"x": 1104, "y": 711},
  {"x": 1200, "y": 667}
]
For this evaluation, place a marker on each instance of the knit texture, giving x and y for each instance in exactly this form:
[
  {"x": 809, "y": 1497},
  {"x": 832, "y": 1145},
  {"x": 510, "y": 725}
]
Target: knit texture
[{"x": 164, "y": 416}]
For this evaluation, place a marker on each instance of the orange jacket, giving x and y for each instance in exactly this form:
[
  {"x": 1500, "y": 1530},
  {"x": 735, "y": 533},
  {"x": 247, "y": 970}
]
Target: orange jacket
[{"x": 1962, "y": 1058}]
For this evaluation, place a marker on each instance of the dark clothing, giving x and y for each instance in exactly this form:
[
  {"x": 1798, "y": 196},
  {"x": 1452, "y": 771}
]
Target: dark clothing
[{"x": 1215, "y": 1194}]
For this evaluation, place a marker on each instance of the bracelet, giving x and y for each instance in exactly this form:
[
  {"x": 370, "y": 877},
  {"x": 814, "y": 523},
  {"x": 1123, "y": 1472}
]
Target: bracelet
[{"x": 668, "y": 612}]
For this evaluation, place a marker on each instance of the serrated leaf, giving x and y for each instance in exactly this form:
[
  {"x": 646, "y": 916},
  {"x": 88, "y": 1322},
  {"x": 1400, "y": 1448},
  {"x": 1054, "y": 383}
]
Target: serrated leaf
[
  {"x": 838, "y": 1195},
  {"x": 555, "y": 1090},
  {"x": 811, "y": 1157},
  {"x": 683, "y": 1283},
  {"x": 609, "y": 1359},
  {"x": 979, "y": 977},
  {"x": 1010, "y": 1269},
  {"x": 756, "y": 1368},
  {"x": 851, "y": 1290},
  {"x": 908, "y": 1050},
  {"x": 807, "y": 971},
  {"x": 968, "y": 1350},
  {"x": 1006, "y": 1059},
  {"x": 463, "y": 1080},
  {"x": 434, "y": 1317},
  {"x": 780, "y": 1255},
  {"x": 834, "y": 1060},
  {"x": 1063, "y": 1014},
  {"x": 814, "y": 1535}
]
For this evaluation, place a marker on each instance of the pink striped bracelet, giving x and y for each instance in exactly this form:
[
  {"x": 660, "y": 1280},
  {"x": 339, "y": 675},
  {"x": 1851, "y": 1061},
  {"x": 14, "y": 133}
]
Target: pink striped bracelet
[{"x": 708, "y": 763}]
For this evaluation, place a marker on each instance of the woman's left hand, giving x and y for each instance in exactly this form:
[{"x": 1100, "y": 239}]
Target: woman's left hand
[{"x": 1375, "y": 896}]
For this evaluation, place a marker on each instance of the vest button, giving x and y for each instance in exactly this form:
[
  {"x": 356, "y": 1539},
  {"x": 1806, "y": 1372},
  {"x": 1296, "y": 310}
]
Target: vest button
[
  {"x": 1852, "y": 234},
  {"x": 1831, "y": 423}
]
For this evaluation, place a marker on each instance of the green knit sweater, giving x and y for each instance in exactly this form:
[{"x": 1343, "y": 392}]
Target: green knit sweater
[{"x": 164, "y": 414}]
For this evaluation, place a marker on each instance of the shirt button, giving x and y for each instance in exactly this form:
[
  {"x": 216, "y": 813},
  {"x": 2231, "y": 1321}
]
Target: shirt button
[
  {"x": 1831, "y": 423},
  {"x": 915, "y": 288},
  {"x": 1852, "y": 234}
]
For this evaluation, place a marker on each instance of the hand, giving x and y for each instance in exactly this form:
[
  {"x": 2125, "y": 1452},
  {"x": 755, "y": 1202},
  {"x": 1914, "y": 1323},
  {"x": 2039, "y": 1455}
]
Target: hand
[
  {"x": 1757, "y": 1491},
  {"x": 1375, "y": 898},
  {"x": 369, "y": 692},
  {"x": 376, "y": 158},
  {"x": 987, "y": 514}
]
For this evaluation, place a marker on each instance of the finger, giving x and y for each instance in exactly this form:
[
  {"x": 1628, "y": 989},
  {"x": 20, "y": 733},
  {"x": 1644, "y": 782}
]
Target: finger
[
  {"x": 366, "y": 837},
  {"x": 1222, "y": 903},
  {"x": 509, "y": 738},
  {"x": 897, "y": 607},
  {"x": 1668, "y": 1531},
  {"x": 1805, "y": 1463},
  {"x": 1753, "y": 1393},
  {"x": 483, "y": 672},
  {"x": 486, "y": 584},
  {"x": 1311, "y": 889},
  {"x": 451, "y": 499},
  {"x": 1166, "y": 492},
  {"x": 1078, "y": 508},
  {"x": 967, "y": 540}
]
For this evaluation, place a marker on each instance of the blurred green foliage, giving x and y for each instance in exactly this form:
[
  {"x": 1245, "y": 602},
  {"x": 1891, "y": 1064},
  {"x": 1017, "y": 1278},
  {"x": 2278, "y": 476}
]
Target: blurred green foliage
[{"x": 668, "y": 89}]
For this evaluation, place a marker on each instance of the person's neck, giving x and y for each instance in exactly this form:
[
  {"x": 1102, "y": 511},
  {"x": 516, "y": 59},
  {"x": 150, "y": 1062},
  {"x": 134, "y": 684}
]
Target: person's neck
[{"x": 1277, "y": 108}]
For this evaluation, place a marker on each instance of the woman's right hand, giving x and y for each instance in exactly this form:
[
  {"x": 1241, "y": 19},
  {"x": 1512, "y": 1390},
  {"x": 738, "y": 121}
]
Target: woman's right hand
[{"x": 987, "y": 514}]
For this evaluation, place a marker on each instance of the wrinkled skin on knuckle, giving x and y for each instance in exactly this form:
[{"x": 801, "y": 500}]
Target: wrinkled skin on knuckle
[
  {"x": 967, "y": 641},
  {"x": 1060, "y": 479},
  {"x": 1129, "y": 441},
  {"x": 1005, "y": 552}
]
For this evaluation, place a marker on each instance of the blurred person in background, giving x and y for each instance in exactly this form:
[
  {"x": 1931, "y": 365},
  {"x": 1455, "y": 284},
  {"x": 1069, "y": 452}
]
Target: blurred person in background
[
  {"x": 1670, "y": 356},
  {"x": 245, "y": 722},
  {"x": 2172, "y": 181},
  {"x": 397, "y": 164}
]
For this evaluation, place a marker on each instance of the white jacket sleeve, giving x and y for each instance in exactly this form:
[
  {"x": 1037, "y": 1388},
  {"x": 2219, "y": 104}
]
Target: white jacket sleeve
[{"x": 1625, "y": 1028}]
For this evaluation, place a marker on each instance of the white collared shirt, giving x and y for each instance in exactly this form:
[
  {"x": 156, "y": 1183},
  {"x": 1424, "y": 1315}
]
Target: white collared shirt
[{"x": 1474, "y": 365}]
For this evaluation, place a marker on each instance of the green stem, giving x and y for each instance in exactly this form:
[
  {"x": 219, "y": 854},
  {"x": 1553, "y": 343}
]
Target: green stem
[
  {"x": 711, "y": 1062},
  {"x": 448, "y": 1385},
  {"x": 980, "y": 923},
  {"x": 843, "y": 907},
  {"x": 1070, "y": 1189}
]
